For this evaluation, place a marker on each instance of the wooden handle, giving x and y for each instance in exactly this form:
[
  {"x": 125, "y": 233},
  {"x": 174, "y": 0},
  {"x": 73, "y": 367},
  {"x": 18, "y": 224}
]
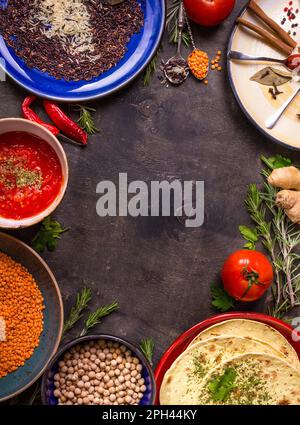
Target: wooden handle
[
  {"x": 272, "y": 24},
  {"x": 267, "y": 36}
]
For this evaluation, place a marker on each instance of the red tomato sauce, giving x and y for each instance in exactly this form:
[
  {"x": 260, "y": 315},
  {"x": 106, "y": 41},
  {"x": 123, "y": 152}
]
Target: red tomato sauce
[{"x": 30, "y": 175}]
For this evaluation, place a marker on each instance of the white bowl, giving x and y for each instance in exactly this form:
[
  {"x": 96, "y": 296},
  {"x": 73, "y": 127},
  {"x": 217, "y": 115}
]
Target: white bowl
[{"x": 19, "y": 124}]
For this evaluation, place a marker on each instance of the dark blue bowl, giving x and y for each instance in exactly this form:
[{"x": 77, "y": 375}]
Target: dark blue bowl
[
  {"x": 48, "y": 397},
  {"x": 140, "y": 50}
]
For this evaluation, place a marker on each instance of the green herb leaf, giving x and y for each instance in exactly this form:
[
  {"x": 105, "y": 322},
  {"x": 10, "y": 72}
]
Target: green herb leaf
[
  {"x": 95, "y": 317},
  {"x": 48, "y": 235},
  {"x": 250, "y": 235},
  {"x": 147, "y": 348},
  {"x": 221, "y": 387},
  {"x": 172, "y": 24},
  {"x": 270, "y": 76},
  {"x": 221, "y": 300},
  {"x": 150, "y": 70},
  {"x": 86, "y": 120},
  {"x": 277, "y": 161},
  {"x": 82, "y": 300}
]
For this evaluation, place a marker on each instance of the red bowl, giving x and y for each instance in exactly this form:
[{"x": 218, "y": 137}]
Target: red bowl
[{"x": 186, "y": 338}]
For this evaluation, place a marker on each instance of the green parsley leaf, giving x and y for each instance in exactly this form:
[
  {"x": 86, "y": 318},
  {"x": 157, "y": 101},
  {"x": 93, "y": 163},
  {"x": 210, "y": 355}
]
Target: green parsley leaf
[
  {"x": 221, "y": 386},
  {"x": 48, "y": 235},
  {"x": 221, "y": 300},
  {"x": 277, "y": 161},
  {"x": 250, "y": 235}
]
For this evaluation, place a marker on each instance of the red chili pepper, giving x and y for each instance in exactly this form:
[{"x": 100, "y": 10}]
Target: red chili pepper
[
  {"x": 64, "y": 123},
  {"x": 30, "y": 115}
]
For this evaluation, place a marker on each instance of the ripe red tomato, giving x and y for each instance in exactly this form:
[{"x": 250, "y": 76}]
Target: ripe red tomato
[
  {"x": 208, "y": 12},
  {"x": 247, "y": 275}
]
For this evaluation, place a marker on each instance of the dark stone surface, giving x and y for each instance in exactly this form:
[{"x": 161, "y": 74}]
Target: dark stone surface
[{"x": 159, "y": 271}]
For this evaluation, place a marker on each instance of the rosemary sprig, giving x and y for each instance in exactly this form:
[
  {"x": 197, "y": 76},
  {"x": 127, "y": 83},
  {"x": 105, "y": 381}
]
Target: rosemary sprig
[
  {"x": 95, "y": 317},
  {"x": 280, "y": 237},
  {"x": 147, "y": 348},
  {"x": 86, "y": 120},
  {"x": 172, "y": 24},
  {"x": 82, "y": 300},
  {"x": 150, "y": 70}
]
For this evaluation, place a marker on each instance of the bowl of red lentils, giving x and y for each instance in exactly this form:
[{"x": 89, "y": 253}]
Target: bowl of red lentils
[{"x": 99, "y": 370}]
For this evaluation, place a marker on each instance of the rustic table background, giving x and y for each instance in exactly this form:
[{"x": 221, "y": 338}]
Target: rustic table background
[{"x": 159, "y": 272}]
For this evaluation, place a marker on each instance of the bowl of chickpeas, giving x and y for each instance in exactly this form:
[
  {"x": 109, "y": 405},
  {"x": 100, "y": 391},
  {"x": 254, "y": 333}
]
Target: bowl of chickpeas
[{"x": 99, "y": 370}]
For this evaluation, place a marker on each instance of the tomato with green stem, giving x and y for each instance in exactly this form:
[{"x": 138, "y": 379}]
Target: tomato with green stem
[{"x": 247, "y": 275}]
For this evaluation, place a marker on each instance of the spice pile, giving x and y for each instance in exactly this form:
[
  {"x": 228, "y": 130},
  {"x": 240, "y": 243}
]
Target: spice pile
[
  {"x": 99, "y": 372},
  {"x": 70, "y": 39},
  {"x": 21, "y": 306},
  {"x": 290, "y": 14}
]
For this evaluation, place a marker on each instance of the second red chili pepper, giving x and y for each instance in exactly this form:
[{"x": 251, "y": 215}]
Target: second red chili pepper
[{"x": 64, "y": 123}]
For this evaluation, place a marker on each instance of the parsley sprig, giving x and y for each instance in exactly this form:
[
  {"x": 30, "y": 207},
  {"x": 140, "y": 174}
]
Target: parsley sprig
[
  {"x": 48, "y": 235},
  {"x": 221, "y": 386},
  {"x": 221, "y": 300}
]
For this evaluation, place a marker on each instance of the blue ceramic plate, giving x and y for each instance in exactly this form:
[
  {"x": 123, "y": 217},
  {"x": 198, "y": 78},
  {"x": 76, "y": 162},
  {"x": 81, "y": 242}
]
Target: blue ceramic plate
[
  {"x": 141, "y": 49},
  {"x": 16, "y": 382},
  {"x": 48, "y": 388}
]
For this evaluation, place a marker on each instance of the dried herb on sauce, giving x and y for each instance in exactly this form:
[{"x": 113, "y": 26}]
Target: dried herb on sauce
[{"x": 15, "y": 174}]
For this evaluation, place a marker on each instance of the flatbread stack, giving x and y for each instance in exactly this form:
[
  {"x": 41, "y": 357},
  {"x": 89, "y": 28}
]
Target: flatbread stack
[{"x": 236, "y": 362}]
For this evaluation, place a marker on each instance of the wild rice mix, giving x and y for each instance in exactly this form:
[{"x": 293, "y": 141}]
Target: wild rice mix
[{"x": 70, "y": 39}]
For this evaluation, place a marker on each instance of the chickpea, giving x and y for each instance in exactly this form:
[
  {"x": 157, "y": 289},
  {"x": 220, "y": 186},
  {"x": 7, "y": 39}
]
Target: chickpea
[
  {"x": 57, "y": 393},
  {"x": 128, "y": 399},
  {"x": 110, "y": 383},
  {"x": 112, "y": 397}
]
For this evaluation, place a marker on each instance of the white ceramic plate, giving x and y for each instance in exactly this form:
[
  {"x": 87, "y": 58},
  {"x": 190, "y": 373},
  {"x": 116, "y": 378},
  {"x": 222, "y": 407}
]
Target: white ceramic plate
[{"x": 254, "y": 98}]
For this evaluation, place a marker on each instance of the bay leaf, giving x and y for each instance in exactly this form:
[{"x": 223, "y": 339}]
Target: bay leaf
[{"x": 270, "y": 76}]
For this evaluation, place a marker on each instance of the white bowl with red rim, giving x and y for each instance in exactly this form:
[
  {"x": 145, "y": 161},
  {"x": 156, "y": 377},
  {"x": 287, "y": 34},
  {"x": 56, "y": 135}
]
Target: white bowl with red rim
[{"x": 8, "y": 125}]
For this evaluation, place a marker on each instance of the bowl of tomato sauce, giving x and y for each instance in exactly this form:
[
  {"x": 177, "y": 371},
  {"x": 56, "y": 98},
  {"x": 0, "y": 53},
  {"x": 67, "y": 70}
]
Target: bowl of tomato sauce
[{"x": 33, "y": 173}]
